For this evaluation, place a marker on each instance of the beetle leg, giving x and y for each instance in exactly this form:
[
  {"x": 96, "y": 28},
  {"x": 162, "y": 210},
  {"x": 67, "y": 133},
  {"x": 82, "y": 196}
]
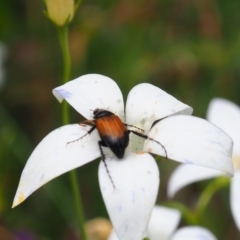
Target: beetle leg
[
  {"x": 86, "y": 122},
  {"x": 146, "y": 137},
  {"x": 88, "y": 132},
  {"x": 101, "y": 144},
  {"x": 128, "y": 125}
]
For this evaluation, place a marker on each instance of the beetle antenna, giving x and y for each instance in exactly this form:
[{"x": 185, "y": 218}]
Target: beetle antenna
[
  {"x": 146, "y": 137},
  {"x": 105, "y": 164},
  {"x": 155, "y": 122}
]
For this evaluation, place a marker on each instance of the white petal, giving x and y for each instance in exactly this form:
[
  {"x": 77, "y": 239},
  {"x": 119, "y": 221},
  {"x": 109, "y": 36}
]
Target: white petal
[
  {"x": 163, "y": 223},
  {"x": 147, "y": 103},
  {"x": 55, "y": 156},
  {"x": 186, "y": 174},
  {"x": 112, "y": 236},
  {"x": 226, "y": 115},
  {"x": 193, "y": 233},
  {"x": 192, "y": 140},
  {"x": 92, "y": 91},
  {"x": 235, "y": 197},
  {"x": 130, "y": 202}
]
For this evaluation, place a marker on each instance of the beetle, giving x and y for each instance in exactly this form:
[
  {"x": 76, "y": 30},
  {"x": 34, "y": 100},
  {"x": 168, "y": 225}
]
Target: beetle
[{"x": 113, "y": 133}]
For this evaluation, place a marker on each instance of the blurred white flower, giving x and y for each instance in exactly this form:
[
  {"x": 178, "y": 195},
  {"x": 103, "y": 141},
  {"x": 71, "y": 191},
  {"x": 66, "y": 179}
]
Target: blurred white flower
[
  {"x": 136, "y": 177},
  {"x": 226, "y": 115},
  {"x": 163, "y": 226}
]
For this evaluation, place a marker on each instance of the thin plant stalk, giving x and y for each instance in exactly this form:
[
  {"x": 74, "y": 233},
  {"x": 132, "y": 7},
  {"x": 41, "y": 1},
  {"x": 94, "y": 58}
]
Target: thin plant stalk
[
  {"x": 193, "y": 217},
  {"x": 63, "y": 38},
  {"x": 208, "y": 192}
]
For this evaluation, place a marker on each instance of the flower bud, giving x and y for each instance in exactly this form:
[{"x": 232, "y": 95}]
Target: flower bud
[{"x": 60, "y": 11}]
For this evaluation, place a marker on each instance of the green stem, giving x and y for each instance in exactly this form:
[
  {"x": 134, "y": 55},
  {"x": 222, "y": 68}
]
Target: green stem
[
  {"x": 63, "y": 38},
  {"x": 78, "y": 203},
  {"x": 77, "y": 4},
  {"x": 193, "y": 217},
  {"x": 208, "y": 193},
  {"x": 186, "y": 213}
]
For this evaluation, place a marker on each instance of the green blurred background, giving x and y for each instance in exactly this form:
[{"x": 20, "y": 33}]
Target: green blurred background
[{"x": 189, "y": 48}]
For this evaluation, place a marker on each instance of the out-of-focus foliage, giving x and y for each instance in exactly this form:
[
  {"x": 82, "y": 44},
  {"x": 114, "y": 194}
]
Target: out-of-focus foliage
[{"x": 190, "y": 48}]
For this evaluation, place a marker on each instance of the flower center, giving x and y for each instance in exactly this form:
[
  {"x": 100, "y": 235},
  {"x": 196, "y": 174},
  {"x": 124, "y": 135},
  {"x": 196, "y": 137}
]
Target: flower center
[{"x": 136, "y": 142}]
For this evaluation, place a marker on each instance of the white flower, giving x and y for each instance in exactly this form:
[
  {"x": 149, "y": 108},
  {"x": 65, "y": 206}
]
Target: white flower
[
  {"x": 163, "y": 226},
  {"x": 225, "y": 115},
  {"x": 136, "y": 176}
]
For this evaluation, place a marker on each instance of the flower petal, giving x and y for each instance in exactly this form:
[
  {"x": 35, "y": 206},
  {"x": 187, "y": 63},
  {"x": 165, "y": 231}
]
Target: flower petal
[
  {"x": 226, "y": 115},
  {"x": 163, "y": 223},
  {"x": 186, "y": 174},
  {"x": 193, "y": 233},
  {"x": 130, "y": 201},
  {"x": 235, "y": 197},
  {"x": 54, "y": 156},
  {"x": 192, "y": 140},
  {"x": 92, "y": 91},
  {"x": 112, "y": 236},
  {"x": 147, "y": 103}
]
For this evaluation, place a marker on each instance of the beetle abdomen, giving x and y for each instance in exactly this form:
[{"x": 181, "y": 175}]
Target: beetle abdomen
[{"x": 113, "y": 133}]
